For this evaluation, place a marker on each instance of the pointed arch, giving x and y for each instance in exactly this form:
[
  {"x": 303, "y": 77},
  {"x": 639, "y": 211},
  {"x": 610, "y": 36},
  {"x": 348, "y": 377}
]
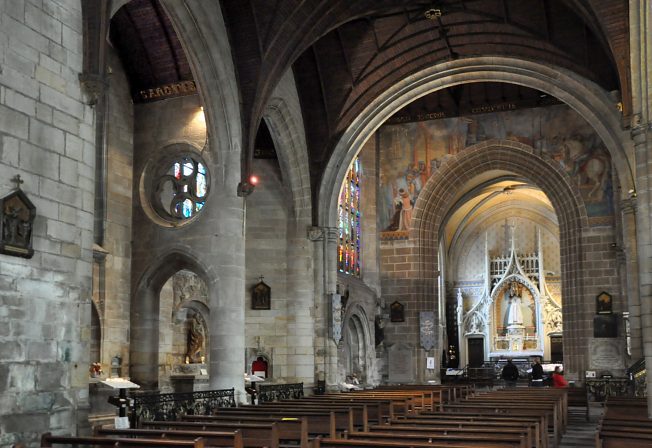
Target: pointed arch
[
  {"x": 585, "y": 97},
  {"x": 441, "y": 192},
  {"x": 145, "y": 309}
]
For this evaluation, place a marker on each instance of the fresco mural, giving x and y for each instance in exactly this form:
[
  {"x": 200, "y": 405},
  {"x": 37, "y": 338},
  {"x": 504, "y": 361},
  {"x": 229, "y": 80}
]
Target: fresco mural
[{"x": 411, "y": 152}]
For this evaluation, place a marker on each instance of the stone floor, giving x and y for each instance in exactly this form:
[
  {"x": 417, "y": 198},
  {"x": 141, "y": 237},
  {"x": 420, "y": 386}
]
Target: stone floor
[{"x": 579, "y": 432}]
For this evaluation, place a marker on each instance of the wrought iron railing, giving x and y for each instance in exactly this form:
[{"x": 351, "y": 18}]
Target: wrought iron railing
[
  {"x": 603, "y": 388},
  {"x": 275, "y": 392},
  {"x": 172, "y": 406}
]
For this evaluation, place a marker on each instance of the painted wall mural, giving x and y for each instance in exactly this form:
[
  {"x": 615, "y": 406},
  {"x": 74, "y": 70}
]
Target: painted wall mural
[{"x": 411, "y": 152}]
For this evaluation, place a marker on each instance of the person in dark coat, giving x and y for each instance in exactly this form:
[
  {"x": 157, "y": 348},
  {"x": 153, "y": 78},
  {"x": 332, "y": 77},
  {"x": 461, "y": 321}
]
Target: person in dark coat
[
  {"x": 510, "y": 374},
  {"x": 537, "y": 373}
]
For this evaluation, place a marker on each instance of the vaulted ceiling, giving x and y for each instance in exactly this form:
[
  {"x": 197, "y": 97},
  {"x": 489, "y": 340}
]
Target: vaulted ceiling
[{"x": 345, "y": 52}]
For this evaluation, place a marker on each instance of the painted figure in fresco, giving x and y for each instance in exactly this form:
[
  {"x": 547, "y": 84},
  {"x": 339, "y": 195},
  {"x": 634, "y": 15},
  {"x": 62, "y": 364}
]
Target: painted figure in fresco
[
  {"x": 587, "y": 166},
  {"x": 406, "y": 210}
]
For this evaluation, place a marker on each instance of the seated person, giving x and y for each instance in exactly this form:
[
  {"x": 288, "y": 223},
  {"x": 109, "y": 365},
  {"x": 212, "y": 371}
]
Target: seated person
[{"x": 558, "y": 379}]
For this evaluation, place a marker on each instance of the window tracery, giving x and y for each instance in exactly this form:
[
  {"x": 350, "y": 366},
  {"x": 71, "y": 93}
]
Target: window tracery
[{"x": 348, "y": 252}]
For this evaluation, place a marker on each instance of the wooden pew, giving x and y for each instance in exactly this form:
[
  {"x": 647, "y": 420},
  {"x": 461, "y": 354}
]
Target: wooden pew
[
  {"x": 211, "y": 438},
  {"x": 509, "y": 405},
  {"x": 625, "y": 424},
  {"x": 534, "y": 424},
  {"x": 387, "y": 408},
  {"x": 253, "y": 434},
  {"x": 414, "y": 400},
  {"x": 399, "y": 404},
  {"x": 291, "y": 430},
  {"x": 365, "y": 412},
  {"x": 407, "y": 437},
  {"x": 348, "y": 443},
  {"x": 323, "y": 421},
  {"x": 48, "y": 440},
  {"x": 483, "y": 411},
  {"x": 621, "y": 439},
  {"x": 557, "y": 421},
  {"x": 487, "y": 429}
]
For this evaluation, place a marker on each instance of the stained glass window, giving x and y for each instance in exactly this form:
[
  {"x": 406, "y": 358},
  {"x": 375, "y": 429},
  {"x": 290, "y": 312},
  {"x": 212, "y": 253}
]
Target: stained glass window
[
  {"x": 182, "y": 188},
  {"x": 348, "y": 251}
]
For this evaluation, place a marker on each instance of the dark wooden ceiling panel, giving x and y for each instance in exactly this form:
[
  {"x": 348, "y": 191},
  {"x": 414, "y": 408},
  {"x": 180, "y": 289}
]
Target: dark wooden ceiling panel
[{"x": 148, "y": 46}]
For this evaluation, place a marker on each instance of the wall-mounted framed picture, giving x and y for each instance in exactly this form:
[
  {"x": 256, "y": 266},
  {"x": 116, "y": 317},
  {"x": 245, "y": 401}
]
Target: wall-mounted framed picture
[
  {"x": 397, "y": 312},
  {"x": 604, "y": 303},
  {"x": 605, "y": 326},
  {"x": 17, "y": 214},
  {"x": 261, "y": 296}
]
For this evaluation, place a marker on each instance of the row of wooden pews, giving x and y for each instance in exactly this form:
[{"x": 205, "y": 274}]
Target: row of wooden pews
[
  {"x": 409, "y": 416},
  {"x": 625, "y": 424}
]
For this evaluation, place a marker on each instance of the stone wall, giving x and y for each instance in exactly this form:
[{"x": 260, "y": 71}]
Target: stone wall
[
  {"x": 46, "y": 136},
  {"x": 266, "y": 331}
]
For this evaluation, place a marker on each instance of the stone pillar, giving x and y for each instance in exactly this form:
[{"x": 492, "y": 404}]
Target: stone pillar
[
  {"x": 640, "y": 19},
  {"x": 227, "y": 298},
  {"x": 630, "y": 274},
  {"x": 330, "y": 246},
  {"x": 320, "y": 316},
  {"x": 301, "y": 326},
  {"x": 643, "y": 147}
]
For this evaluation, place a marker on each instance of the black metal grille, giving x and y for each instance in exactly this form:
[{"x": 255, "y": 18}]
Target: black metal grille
[
  {"x": 275, "y": 392},
  {"x": 173, "y": 406}
]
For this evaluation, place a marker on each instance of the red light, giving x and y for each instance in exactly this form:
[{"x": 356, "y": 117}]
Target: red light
[{"x": 253, "y": 180}]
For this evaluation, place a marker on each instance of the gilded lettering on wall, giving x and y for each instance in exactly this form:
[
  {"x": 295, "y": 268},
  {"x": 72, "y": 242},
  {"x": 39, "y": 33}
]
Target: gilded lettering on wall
[{"x": 168, "y": 91}]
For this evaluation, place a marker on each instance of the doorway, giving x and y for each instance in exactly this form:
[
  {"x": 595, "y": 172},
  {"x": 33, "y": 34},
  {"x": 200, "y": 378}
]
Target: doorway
[
  {"x": 556, "y": 349},
  {"x": 476, "y": 352}
]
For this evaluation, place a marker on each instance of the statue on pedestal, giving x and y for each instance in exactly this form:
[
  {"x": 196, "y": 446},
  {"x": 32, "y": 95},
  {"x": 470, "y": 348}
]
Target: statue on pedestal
[
  {"x": 514, "y": 312},
  {"x": 195, "y": 342}
]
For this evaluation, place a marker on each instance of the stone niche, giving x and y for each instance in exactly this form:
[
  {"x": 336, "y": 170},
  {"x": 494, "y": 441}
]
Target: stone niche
[{"x": 185, "y": 340}]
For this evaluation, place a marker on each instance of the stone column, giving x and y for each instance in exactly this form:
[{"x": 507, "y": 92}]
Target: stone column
[
  {"x": 630, "y": 250},
  {"x": 301, "y": 306},
  {"x": 330, "y": 246},
  {"x": 227, "y": 293},
  {"x": 320, "y": 316},
  {"x": 643, "y": 147},
  {"x": 640, "y": 19}
]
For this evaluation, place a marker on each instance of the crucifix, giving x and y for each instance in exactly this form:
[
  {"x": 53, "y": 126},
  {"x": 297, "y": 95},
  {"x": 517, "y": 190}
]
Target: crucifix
[
  {"x": 17, "y": 180},
  {"x": 260, "y": 279}
]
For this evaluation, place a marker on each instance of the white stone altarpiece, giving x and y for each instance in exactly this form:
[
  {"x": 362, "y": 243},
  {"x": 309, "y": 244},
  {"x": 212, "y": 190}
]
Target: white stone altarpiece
[{"x": 515, "y": 312}]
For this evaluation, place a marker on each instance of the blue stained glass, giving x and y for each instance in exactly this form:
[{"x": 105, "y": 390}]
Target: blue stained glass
[{"x": 187, "y": 208}]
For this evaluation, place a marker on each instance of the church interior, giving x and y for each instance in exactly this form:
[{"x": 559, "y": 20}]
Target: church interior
[{"x": 237, "y": 195}]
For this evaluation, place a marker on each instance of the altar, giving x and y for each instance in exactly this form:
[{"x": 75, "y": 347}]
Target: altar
[{"x": 516, "y": 314}]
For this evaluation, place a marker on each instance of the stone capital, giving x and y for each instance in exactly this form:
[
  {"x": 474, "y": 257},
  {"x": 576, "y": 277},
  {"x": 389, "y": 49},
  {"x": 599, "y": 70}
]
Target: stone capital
[
  {"x": 316, "y": 233},
  {"x": 93, "y": 86}
]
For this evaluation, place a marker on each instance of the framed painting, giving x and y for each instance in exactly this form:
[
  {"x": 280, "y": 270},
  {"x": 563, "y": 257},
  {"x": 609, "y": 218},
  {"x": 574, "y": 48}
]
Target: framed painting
[
  {"x": 604, "y": 303},
  {"x": 397, "y": 312},
  {"x": 261, "y": 296}
]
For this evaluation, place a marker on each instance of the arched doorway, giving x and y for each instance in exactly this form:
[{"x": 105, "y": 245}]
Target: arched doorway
[
  {"x": 356, "y": 352},
  {"x": 170, "y": 302}
]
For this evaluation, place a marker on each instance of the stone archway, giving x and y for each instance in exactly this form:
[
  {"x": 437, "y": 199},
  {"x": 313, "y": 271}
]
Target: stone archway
[
  {"x": 590, "y": 101},
  {"x": 145, "y": 310},
  {"x": 439, "y": 195},
  {"x": 357, "y": 349}
]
